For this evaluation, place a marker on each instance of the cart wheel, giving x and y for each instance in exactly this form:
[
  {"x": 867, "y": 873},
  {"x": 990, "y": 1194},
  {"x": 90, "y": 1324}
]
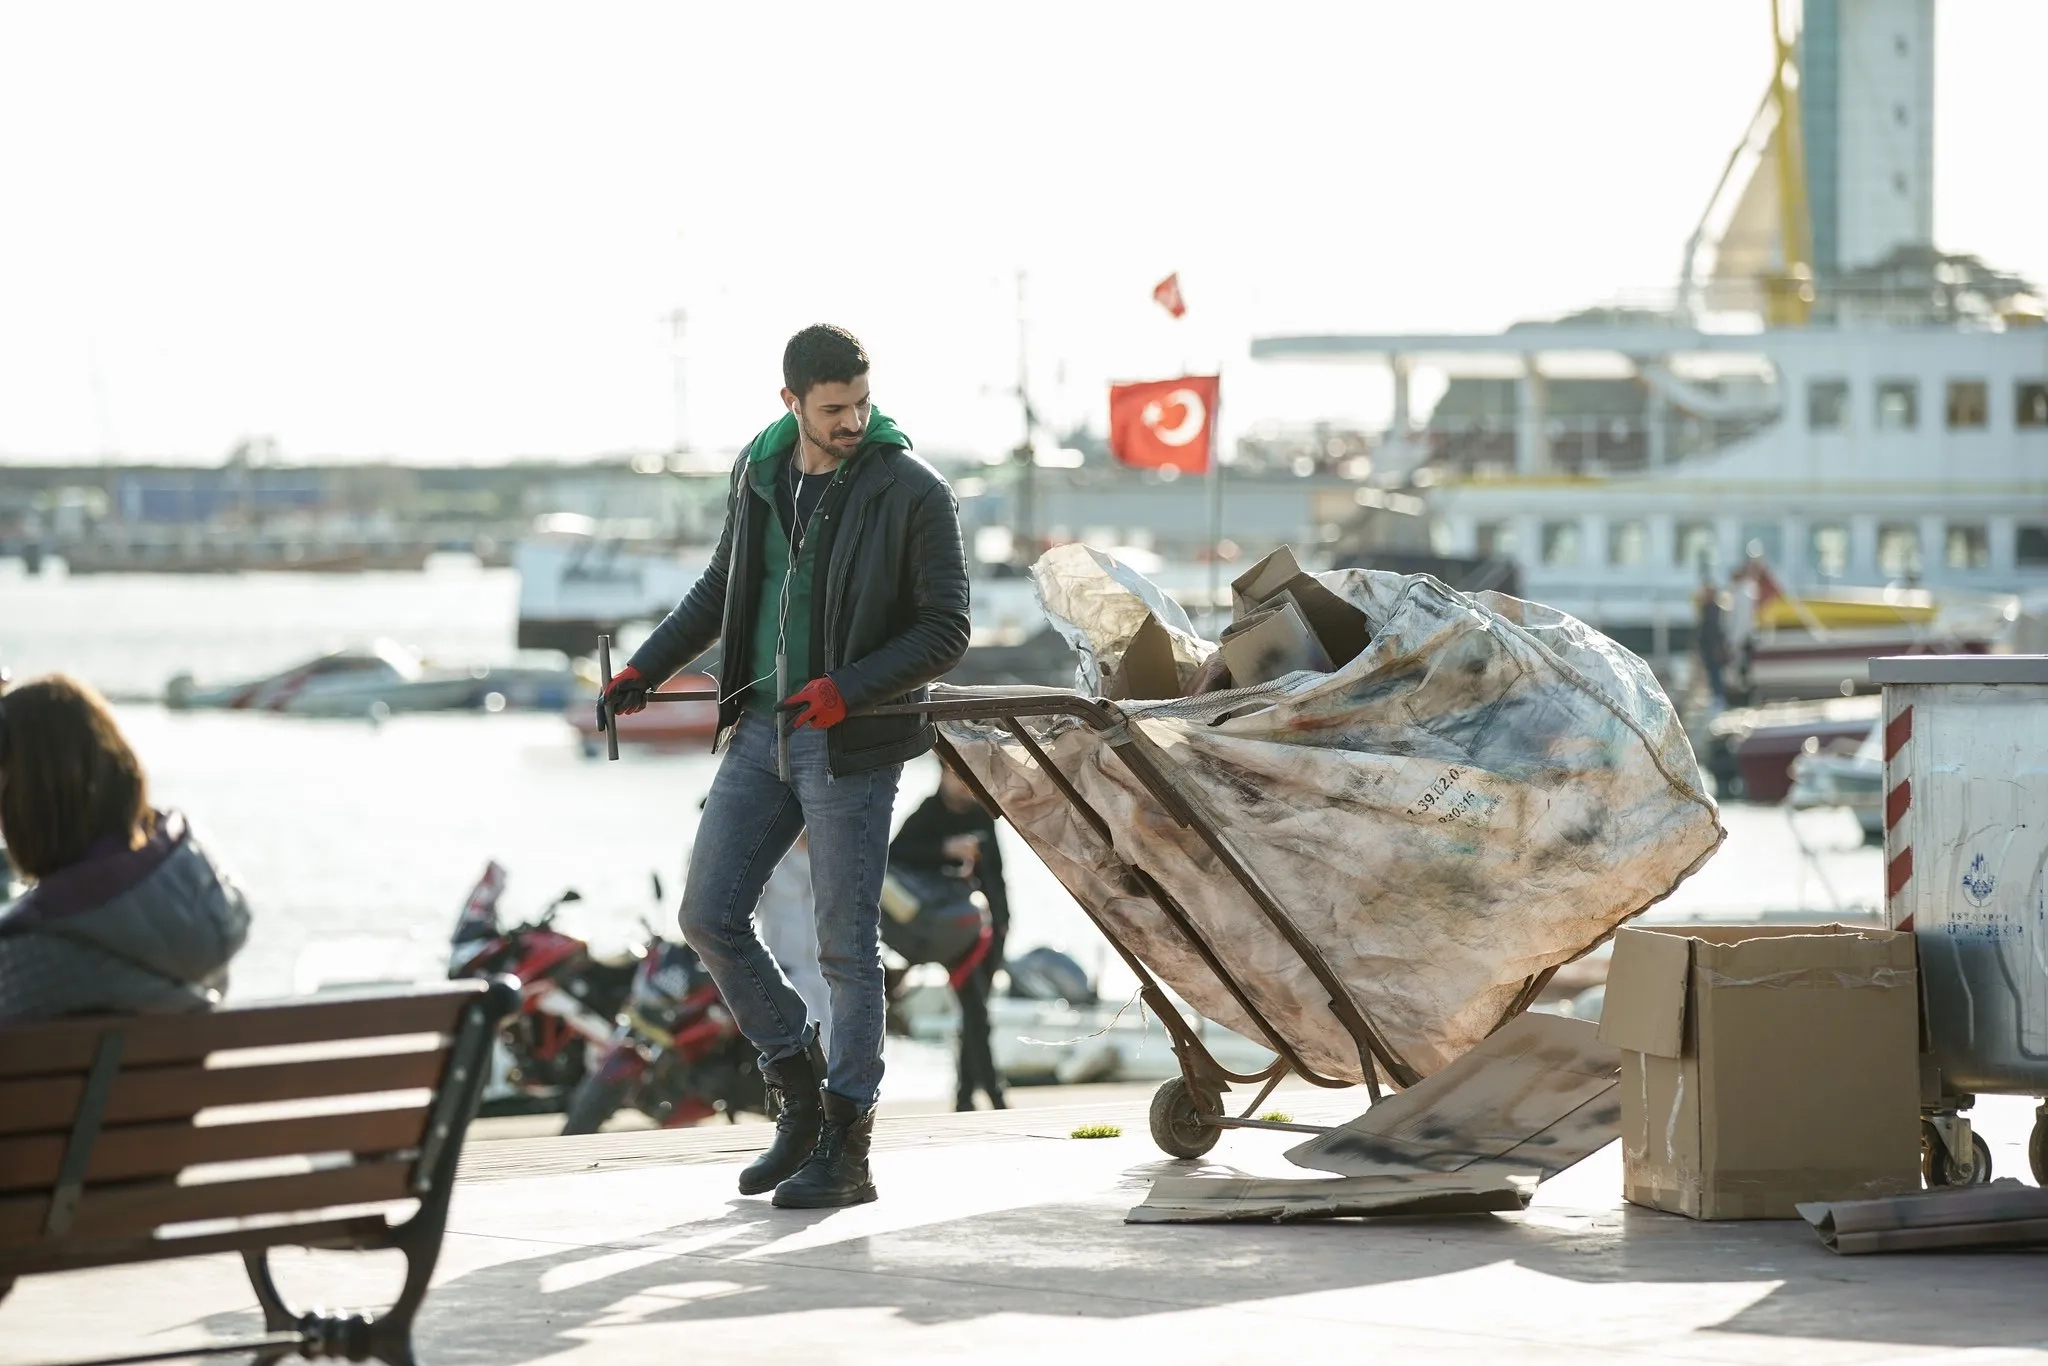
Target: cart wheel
[
  {"x": 1177, "y": 1111},
  {"x": 1939, "y": 1170},
  {"x": 2037, "y": 1147}
]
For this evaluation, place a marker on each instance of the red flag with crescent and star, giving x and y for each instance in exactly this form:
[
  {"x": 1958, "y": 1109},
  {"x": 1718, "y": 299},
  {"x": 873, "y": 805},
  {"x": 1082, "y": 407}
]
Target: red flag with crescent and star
[
  {"x": 1164, "y": 424},
  {"x": 1167, "y": 294}
]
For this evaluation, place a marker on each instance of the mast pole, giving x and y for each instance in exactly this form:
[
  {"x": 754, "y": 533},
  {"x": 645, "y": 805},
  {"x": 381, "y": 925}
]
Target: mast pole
[{"x": 1027, "y": 509}]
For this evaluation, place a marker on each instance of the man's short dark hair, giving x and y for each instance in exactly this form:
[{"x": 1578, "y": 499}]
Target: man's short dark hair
[{"x": 822, "y": 354}]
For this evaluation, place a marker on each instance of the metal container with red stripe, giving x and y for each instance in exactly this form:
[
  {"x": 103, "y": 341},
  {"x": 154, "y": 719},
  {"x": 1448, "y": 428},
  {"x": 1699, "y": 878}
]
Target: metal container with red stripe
[{"x": 1966, "y": 861}]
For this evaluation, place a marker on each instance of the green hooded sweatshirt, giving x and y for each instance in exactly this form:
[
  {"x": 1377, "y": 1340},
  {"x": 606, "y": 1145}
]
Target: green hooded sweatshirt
[{"x": 767, "y": 460}]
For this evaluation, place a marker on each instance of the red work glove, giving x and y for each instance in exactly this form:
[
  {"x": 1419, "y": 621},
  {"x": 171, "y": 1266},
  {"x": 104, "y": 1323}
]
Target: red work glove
[
  {"x": 626, "y": 694},
  {"x": 819, "y": 704}
]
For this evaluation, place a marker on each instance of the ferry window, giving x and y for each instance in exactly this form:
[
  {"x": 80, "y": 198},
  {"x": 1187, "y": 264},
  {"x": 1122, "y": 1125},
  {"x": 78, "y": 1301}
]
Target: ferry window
[
  {"x": 2032, "y": 409},
  {"x": 1827, "y": 404},
  {"x": 1561, "y": 543},
  {"x": 1828, "y": 550},
  {"x": 1628, "y": 543},
  {"x": 1692, "y": 545},
  {"x": 1898, "y": 550},
  {"x": 2030, "y": 548},
  {"x": 1898, "y": 405},
  {"x": 1969, "y": 546},
  {"x": 1969, "y": 403},
  {"x": 1493, "y": 540},
  {"x": 1764, "y": 541}
]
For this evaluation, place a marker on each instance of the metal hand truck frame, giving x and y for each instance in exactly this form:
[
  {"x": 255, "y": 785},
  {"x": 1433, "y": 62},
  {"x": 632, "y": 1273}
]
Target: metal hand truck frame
[{"x": 1187, "y": 1113}]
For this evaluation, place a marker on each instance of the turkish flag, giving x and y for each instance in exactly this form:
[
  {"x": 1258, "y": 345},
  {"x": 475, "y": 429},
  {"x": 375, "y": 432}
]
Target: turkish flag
[
  {"x": 1167, "y": 293},
  {"x": 1165, "y": 423}
]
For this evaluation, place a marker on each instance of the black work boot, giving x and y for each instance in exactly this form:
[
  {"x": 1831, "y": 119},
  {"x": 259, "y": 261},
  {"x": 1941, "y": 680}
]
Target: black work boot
[
  {"x": 795, "y": 1082},
  {"x": 837, "y": 1173}
]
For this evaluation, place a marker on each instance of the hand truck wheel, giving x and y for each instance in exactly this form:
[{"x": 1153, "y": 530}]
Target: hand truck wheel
[{"x": 1177, "y": 1113}]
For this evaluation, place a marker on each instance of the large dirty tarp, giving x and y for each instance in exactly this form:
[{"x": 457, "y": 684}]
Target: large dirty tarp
[{"x": 1484, "y": 793}]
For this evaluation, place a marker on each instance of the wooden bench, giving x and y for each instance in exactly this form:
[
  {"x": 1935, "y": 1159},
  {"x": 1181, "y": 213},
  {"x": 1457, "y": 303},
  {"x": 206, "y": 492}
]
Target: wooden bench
[{"x": 313, "y": 1107}]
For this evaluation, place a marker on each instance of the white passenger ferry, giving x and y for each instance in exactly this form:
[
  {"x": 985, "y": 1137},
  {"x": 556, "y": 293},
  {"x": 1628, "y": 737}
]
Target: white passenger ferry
[{"x": 1863, "y": 414}]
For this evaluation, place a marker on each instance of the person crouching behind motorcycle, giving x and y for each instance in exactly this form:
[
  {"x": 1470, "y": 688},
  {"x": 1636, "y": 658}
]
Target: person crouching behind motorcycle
[
  {"x": 839, "y": 584},
  {"x": 953, "y": 836}
]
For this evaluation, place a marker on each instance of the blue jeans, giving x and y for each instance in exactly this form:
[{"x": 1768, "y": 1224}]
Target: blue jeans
[{"x": 750, "y": 821}]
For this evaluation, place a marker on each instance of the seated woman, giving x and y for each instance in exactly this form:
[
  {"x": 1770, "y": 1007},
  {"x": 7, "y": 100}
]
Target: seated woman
[{"x": 125, "y": 911}]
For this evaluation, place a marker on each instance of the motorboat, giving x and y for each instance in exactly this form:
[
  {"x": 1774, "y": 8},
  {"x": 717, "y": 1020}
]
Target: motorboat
[
  {"x": 665, "y": 725},
  {"x": 1751, "y": 750},
  {"x": 385, "y": 679}
]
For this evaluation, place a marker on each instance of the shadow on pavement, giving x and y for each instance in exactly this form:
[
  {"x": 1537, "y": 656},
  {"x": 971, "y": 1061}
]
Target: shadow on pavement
[{"x": 1081, "y": 1260}]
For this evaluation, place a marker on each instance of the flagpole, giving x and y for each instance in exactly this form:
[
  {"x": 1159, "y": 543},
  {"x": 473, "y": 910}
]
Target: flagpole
[
  {"x": 1216, "y": 615},
  {"x": 1168, "y": 296}
]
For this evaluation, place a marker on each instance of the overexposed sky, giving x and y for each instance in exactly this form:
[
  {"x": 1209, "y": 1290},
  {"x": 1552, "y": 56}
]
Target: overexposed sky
[{"x": 453, "y": 231}]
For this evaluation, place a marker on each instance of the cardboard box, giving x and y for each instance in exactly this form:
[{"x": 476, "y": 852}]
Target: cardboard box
[
  {"x": 1263, "y": 582},
  {"x": 1147, "y": 672},
  {"x": 1270, "y": 644},
  {"x": 1341, "y": 629},
  {"x": 1765, "y": 1066}
]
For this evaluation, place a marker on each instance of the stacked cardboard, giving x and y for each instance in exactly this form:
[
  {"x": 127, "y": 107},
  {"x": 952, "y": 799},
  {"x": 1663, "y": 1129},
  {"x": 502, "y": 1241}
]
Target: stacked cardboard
[{"x": 1284, "y": 621}]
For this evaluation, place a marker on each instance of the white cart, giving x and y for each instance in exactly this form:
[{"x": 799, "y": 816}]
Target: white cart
[{"x": 1966, "y": 869}]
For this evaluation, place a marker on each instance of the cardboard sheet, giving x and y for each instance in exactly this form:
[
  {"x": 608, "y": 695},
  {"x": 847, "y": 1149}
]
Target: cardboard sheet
[
  {"x": 2002, "y": 1214},
  {"x": 1536, "y": 1096},
  {"x": 1209, "y": 1199},
  {"x": 1147, "y": 668}
]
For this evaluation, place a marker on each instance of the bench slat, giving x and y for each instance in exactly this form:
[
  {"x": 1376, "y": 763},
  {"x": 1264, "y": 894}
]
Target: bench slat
[
  {"x": 46, "y": 1104},
  {"x": 136, "y": 1210},
  {"x": 67, "y": 1045},
  {"x": 166, "y": 1149},
  {"x": 357, "y": 1231}
]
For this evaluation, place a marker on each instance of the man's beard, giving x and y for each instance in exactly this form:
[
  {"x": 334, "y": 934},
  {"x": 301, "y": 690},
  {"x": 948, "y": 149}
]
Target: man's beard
[{"x": 821, "y": 439}]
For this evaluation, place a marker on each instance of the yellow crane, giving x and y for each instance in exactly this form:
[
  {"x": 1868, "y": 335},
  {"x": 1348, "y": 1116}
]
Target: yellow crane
[
  {"x": 1789, "y": 293},
  {"x": 1758, "y": 225}
]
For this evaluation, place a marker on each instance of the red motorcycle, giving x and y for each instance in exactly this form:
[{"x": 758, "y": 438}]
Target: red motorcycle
[
  {"x": 569, "y": 997},
  {"x": 677, "y": 1056}
]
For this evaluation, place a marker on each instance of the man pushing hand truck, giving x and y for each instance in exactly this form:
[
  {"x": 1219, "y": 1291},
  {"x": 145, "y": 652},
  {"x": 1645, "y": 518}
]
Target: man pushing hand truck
[{"x": 838, "y": 585}]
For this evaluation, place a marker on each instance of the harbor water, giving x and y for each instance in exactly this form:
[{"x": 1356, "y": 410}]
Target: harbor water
[{"x": 359, "y": 841}]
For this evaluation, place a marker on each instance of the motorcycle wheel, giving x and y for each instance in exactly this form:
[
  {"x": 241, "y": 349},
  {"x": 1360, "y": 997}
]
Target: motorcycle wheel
[{"x": 597, "y": 1099}]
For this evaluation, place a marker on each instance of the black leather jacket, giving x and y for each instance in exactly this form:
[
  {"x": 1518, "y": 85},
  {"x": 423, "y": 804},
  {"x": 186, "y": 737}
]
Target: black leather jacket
[{"x": 892, "y": 615}]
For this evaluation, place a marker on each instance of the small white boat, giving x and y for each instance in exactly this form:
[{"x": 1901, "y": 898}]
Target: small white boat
[{"x": 1825, "y": 775}]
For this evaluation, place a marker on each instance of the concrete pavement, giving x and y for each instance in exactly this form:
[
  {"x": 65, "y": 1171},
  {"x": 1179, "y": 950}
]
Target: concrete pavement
[{"x": 999, "y": 1238}]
